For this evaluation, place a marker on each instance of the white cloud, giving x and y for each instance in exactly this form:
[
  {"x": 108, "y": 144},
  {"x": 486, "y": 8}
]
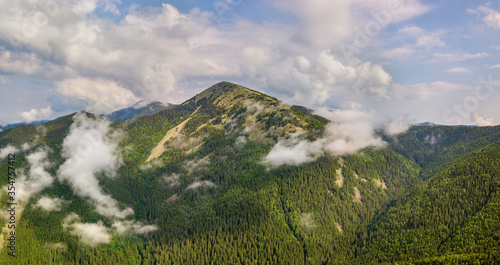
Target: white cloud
[
  {"x": 240, "y": 142},
  {"x": 492, "y": 17},
  {"x": 347, "y": 132},
  {"x": 51, "y": 204},
  {"x": 191, "y": 165},
  {"x": 9, "y": 149},
  {"x": 89, "y": 150},
  {"x": 373, "y": 80},
  {"x": 324, "y": 23},
  {"x": 134, "y": 227},
  {"x": 26, "y": 63},
  {"x": 157, "y": 52},
  {"x": 91, "y": 234},
  {"x": 429, "y": 90},
  {"x": 458, "y": 70},
  {"x": 396, "y": 127},
  {"x": 294, "y": 151},
  {"x": 481, "y": 121},
  {"x": 350, "y": 130},
  {"x": 102, "y": 96},
  {"x": 423, "y": 39},
  {"x": 173, "y": 180},
  {"x": 59, "y": 246},
  {"x": 496, "y": 66},
  {"x": 37, "y": 178},
  {"x": 401, "y": 52},
  {"x": 201, "y": 184},
  {"x": 34, "y": 114},
  {"x": 455, "y": 57}
]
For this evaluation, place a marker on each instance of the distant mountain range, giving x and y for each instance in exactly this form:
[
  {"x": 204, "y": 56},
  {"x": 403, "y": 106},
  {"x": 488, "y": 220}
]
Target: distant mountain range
[
  {"x": 234, "y": 176},
  {"x": 137, "y": 110}
]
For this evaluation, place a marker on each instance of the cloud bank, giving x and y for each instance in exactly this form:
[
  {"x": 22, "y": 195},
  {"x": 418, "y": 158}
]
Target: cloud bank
[
  {"x": 82, "y": 51},
  {"x": 91, "y": 149},
  {"x": 347, "y": 132}
]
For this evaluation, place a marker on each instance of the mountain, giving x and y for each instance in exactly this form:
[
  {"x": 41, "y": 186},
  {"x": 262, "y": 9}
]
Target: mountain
[
  {"x": 236, "y": 176},
  {"x": 137, "y": 110},
  {"x": 12, "y": 125}
]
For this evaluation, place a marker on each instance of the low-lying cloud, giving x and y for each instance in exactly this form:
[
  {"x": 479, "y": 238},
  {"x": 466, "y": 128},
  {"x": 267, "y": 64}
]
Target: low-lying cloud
[
  {"x": 90, "y": 150},
  {"x": 172, "y": 180},
  {"x": 134, "y": 227},
  {"x": 89, "y": 233},
  {"x": 37, "y": 177},
  {"x": 9, "y": 149},
  {"x": 347, "y": 132},
  {"x": 201, "y": 184},
  {"x": 51, "y": 204},
  {"x": 294, "y": 151},
  {"x": 191, "y": 165}
]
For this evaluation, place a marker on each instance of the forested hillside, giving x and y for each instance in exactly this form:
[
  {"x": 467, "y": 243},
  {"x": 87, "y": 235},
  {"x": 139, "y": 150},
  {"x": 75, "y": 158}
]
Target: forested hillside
[{"x": 194, "y": 184}]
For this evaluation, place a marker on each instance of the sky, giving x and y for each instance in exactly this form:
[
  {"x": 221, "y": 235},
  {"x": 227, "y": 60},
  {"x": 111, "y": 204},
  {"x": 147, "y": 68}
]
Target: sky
[{"x": 411, "y": 60}]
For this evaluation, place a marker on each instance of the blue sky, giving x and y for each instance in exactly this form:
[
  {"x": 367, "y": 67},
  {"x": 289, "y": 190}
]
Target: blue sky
[{"x": 414, "y": 61}]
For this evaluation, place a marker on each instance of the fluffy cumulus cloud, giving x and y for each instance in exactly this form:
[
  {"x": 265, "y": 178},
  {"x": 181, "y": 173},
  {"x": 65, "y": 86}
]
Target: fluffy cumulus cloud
[
  {"x": 34, "y": 114},
  {"x": 491, "y": 16},
  {"x": 347, "y": 132},
  {"x": 161, "y": 53},
  {"x": 158, "y": 52},
  {"x": 328, "y": 23},
  {"x": 481, "y": 121},
  {"x": 101, "y": 95},
  {"x": 90, "y": 150}
]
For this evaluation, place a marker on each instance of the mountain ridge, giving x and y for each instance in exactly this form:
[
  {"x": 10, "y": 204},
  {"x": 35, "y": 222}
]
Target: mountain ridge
[{"x": 209, "y": 196}]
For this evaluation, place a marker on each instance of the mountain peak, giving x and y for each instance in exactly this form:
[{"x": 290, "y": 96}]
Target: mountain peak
[{"x": 226, "y": 94}]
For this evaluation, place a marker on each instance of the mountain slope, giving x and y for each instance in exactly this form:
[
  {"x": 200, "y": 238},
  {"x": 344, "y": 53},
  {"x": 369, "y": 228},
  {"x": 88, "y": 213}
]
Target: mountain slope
[{"x": 452, "y": 213}]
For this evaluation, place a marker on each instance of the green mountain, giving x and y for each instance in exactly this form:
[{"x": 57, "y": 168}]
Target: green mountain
[{"x": 195, "y": 184}]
